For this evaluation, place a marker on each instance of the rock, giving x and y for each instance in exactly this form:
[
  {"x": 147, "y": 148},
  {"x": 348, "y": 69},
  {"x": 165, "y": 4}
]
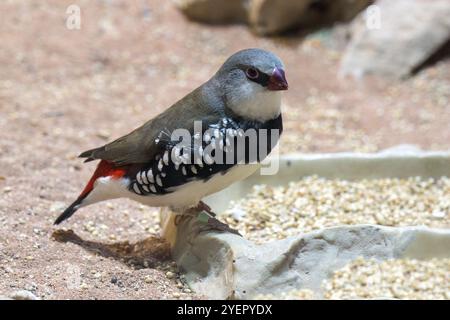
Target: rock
[
  {"x": 321, "y": 13},
  {"x": 409, "y": 33},
  {"x": 268, "y": 17},
  {"x": 23, "y": 295},
  {"x": 227, "y": 266},
  {"x": 345, "y": 10},
  {"x": 57, "y": 206},
  {"x": 214, "y": 11},
  {"x": 274, "y": 16}
]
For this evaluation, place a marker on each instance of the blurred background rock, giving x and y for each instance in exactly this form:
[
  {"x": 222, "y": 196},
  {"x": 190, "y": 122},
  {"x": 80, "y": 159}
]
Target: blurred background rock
[
  {"x": 412, "y": 31},
  {"x": 269, "y": 17}
]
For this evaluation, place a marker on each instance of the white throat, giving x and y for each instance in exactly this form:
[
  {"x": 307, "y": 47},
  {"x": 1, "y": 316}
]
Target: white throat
[{"x": 254, "y": 102}]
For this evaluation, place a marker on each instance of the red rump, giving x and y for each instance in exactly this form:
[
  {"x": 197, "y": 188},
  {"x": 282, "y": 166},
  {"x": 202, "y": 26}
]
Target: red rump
[{"x": 104, "y": 169}]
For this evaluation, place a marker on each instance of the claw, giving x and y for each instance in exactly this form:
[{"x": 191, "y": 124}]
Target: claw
[{"x": 204, "y": 207}]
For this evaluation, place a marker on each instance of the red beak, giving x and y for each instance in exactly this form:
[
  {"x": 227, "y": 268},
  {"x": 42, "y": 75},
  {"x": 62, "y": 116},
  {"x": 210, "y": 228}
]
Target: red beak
[{"x": 277, "y": 80}]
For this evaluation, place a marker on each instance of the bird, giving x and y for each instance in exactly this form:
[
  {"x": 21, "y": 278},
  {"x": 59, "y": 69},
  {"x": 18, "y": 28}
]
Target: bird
[{"x": 150, "y": 166}]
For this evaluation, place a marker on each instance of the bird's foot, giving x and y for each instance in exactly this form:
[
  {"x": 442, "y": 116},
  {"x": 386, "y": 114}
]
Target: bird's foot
[
  {"x": 210, "y": 223},
  {"x": 207, "y": 218}
]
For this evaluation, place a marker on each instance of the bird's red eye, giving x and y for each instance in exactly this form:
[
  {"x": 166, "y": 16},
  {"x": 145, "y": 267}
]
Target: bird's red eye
[{"x": 252, "y": 73}]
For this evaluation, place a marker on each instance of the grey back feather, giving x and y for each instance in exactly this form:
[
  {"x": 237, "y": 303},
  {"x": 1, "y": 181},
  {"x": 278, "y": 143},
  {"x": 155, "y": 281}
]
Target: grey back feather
[{"x": 142, "y": 144}]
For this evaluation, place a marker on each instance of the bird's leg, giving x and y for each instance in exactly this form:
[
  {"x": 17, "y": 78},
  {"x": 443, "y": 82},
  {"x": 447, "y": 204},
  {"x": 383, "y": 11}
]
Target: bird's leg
[
  {"x": 179, "y": 218},
  {"x": 186, "y": 214}
]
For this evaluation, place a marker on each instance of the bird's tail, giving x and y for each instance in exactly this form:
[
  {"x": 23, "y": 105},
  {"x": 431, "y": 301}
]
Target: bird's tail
[{"x": 104, "y": 169}]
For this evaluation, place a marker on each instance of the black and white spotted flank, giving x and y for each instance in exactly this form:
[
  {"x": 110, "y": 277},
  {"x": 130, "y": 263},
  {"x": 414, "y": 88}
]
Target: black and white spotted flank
[{"x": 175, "y": 166}]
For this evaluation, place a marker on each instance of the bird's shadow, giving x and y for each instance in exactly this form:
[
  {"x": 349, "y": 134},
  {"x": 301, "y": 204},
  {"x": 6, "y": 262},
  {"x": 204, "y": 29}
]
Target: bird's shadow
[{"x": 150, "y": 252}]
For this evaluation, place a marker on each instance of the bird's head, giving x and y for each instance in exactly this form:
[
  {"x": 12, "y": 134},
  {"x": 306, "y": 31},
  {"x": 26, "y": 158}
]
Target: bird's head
[{"x": 251, "y": 81}]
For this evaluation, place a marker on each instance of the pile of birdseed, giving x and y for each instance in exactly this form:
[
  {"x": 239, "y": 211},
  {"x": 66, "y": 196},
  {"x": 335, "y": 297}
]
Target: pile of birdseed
[
  {"x": 313, "y": 203},
  {"x": 391, "y": 279}
]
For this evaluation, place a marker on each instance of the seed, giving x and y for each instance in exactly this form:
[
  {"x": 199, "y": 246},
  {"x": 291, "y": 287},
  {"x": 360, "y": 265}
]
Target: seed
[{"x": 84, "y": 286}]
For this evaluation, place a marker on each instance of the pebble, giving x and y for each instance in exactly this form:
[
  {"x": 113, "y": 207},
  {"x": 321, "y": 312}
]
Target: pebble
[
  {"x": 24, "y": 295},
  {"x": 57, "y": 206},
  {"x": 170, "y": 275},
  {"x": 7, "y": 189},
  {"x": 103, "y": 134},
  {"x": 439, "y": 214}
]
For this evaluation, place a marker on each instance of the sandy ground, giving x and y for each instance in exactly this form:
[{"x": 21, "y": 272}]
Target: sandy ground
[{"x": 64, "y": 91}]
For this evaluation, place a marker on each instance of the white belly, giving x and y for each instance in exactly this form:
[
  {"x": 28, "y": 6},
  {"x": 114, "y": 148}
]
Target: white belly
[{"x": 184, "y": 196}]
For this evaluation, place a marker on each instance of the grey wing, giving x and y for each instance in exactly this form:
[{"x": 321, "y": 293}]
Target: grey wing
[
  {"x": 139, "y": 146},
  {"x": 142, "y": 144}
]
